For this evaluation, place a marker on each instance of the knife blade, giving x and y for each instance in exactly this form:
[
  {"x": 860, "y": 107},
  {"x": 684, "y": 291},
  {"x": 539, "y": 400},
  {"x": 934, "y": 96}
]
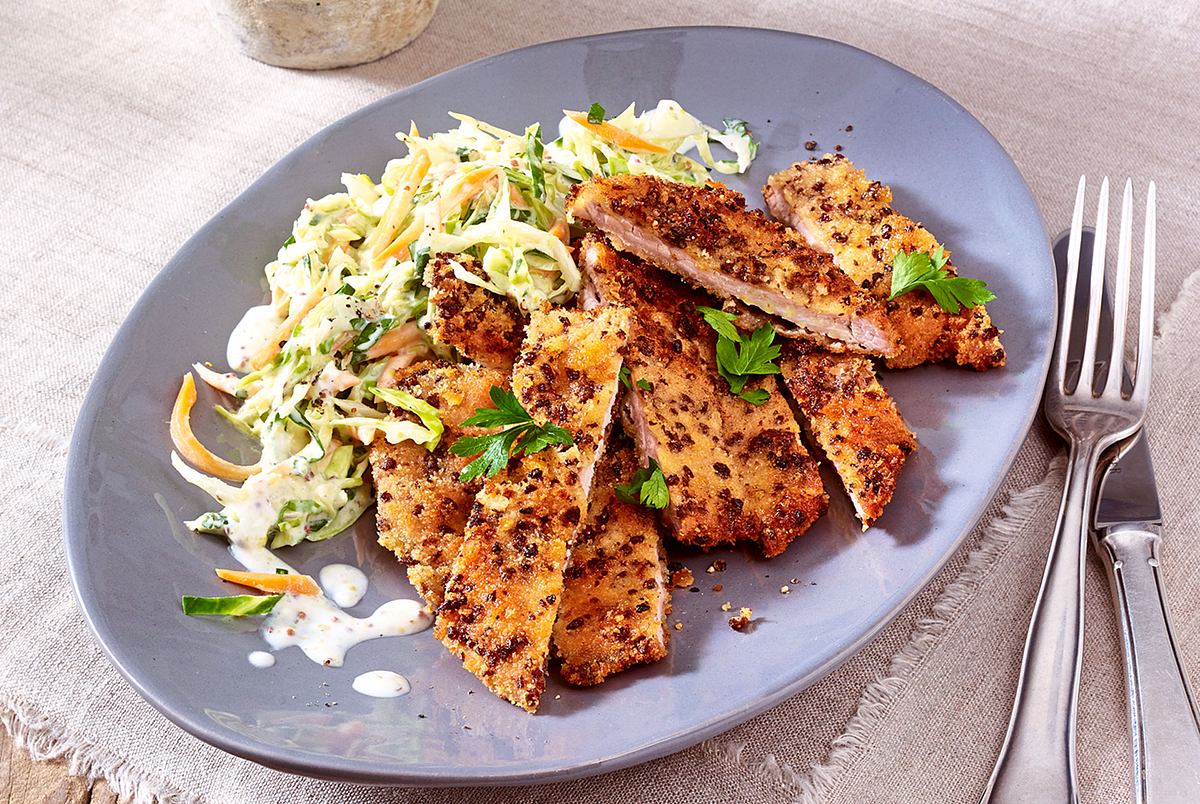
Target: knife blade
[{"x": 1128, "y": 492}]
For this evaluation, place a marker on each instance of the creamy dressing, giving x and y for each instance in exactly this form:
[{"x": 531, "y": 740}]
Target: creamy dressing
[
  {"x": 258, "y": 559},
  {"x": 324, "y": 632},
  {"x": 262, "y": 659},
  {"x": 251, "y": 335},
  {"x": 255, "y": 508},
  {"x": 317, "y": 624},
  {"x": 381, "y": 684},
  {"x": 345, "y": 585}
]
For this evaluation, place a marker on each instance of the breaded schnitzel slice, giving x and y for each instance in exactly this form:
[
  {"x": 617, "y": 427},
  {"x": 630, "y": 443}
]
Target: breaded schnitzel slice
[
  {"x": 853, "y": 419},
  {"x": 421, "y": 507},
  {"x": 484, "y": 327},
  {"x": 735, "y": 471},
  {"x": 502, "y": 597},
  {"x": 707, "y": 235},
  {"x": 843, "y": 213},
  {"x": 568, "y": 373},
  {"x": 614, "y": 608}
]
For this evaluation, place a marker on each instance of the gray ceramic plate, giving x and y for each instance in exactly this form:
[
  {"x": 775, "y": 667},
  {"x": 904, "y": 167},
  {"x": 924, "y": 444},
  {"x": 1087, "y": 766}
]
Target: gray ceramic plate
[{"x": 130, "y": 560}]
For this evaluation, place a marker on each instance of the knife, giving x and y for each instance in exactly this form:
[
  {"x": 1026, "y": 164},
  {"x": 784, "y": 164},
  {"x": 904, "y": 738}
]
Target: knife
[{"x": 1164, "y": 721}]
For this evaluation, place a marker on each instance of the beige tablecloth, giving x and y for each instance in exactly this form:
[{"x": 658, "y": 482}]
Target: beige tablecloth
[{"x": 127, "y": 124}]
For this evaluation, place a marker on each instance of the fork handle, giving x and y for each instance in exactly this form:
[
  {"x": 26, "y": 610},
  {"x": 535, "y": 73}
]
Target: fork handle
[
  {"x": 1037, "y": 762},
  {"x": 1163, "y": 718}
]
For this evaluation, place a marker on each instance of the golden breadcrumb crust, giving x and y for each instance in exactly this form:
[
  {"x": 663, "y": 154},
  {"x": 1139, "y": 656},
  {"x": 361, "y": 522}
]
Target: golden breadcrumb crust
[
  {"x": 568, "y": 373},
  {"x": 617, "y": 594},
  {"x": 507, "y": 580},
  {"x": 854, "y": 421},
  {"x": 707, "y": 235},
  {"x": 421, "y": 507},
  {"x": 482, "y": 326},
  {"x": 840, "y": 211},
  {"x": 735, "y": 471},
  {"x": 503, "y": 594}
]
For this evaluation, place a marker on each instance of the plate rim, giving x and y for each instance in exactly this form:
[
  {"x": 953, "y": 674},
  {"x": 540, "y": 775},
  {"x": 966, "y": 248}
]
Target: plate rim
[{"x": 323, "y": 767}]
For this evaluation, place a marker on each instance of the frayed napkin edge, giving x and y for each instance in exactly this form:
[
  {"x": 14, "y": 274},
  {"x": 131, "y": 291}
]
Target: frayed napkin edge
[{"x": 44, "y": 740}]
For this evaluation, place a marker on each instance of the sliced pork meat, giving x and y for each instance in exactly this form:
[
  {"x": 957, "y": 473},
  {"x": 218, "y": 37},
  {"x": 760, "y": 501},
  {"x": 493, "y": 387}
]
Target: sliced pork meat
[
  {"x": 843, "y": 213},
  {"x": 617, "y": 596},
  {"x": 736, "y": 472},
  {"x": 707, "y": 235},
  {"x": 507, "y": 580},
  {"x": 853, "y": 419},
  {"x": 421, "y": 506}
]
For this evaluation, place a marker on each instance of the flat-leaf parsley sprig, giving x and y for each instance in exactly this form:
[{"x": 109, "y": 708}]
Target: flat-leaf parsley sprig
[
  {"x": 522, "y": 435},
  {"x": 918, "y": 269},
  {"x": 739, "y": 358},
  {"x": 626, "y": 378},
  {"x": 647, "y": 487}
]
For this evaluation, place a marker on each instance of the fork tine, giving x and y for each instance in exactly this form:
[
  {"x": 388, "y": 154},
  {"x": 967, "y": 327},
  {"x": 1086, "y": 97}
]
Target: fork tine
[
  {"x": 1141, "y": 385},
  {"x": 1096, "y": 292},
  {"x": 1072, "y": 280},
  {"x": 1116, "y": 363}
]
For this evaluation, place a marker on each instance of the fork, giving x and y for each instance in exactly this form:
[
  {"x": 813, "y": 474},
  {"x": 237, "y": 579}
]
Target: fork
[{"x": 1037, "y": 762}]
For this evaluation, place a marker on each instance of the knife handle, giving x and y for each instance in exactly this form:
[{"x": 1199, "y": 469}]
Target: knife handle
[{"x": 1163, "y": 719}]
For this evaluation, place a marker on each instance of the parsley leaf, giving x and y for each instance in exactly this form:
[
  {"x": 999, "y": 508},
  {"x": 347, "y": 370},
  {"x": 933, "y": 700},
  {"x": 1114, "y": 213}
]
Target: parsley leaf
[
  {"x": 722, "y": 322},
  {"x": 755, "y": 396},
  {"x": 522, "y": 435},
  {"x": 918, "y": 269},
  {"x": 595, "y": 113},
  {"x": 739, "y": 358},
  {"x": 648, "y": 487},
  {"x": 627, "y": 380}
]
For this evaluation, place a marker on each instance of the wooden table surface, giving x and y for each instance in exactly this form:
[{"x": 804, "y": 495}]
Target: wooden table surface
[{"x": 23, "y": 781}]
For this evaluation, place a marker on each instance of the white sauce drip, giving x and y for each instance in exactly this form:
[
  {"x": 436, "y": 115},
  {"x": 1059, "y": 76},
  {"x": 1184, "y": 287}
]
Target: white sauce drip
[
  {"x": 324, "y": 632},
  {"x": 250, "y": 335},
  {"x": 381, "y": 684},
  {"x": 260, "y": 658},
  {"x": 316, "y": 623},
  {"x": 345, "y": 585}
]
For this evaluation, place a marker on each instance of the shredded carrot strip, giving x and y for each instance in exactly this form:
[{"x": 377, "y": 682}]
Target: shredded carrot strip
[
  {"x": 190, "y": 447},
  {"x": 272, "y": 582},
  {"x": 617, "y": 136},
  {"x": 394, "y": 340},
  {"x": 401, "y": 203},
  {"x": 402, "y": 241},
  {"x": 467, "y": 187},
  {"x": 225, "y": 383},
  {"x": 266, "y": 354},
  {"x": 562, "y": 231}
]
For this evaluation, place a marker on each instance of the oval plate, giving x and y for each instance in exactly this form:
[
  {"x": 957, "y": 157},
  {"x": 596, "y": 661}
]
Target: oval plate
[{"x": 130, "y": 559}]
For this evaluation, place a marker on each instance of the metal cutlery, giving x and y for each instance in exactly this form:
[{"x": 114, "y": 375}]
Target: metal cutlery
[
  {"x": 1092, "y": 412},
  {"x": 1163, "y": 720}
]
